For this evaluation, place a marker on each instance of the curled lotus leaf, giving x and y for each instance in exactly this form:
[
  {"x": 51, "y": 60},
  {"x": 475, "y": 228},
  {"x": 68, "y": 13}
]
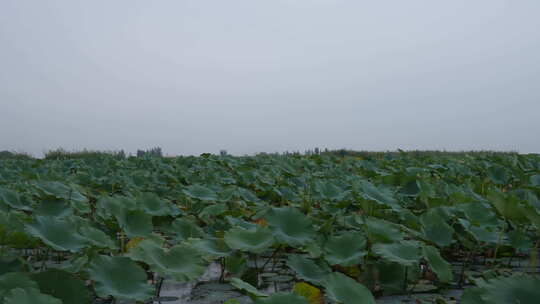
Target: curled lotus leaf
[
  {"x": 290, "y": 226},
  {"x": 252, "y": 240},
  {"x": 119, "y": 277}
]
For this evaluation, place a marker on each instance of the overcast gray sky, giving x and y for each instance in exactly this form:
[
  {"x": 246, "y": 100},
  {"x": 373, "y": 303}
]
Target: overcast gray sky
[{"x": 252, "y": 75}]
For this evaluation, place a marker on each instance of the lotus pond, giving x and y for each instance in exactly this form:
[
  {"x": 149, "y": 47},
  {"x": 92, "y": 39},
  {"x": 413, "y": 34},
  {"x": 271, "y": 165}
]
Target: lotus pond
[{"x": 271, "y": 229}]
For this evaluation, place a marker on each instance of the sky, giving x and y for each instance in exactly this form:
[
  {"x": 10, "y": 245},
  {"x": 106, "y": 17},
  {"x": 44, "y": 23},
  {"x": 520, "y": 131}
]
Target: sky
[{"x": 247, "y": 76}]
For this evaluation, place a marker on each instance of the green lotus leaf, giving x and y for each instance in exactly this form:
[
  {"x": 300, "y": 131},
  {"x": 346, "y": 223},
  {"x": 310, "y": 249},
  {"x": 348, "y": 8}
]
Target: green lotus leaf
[
  {"x": 53, "y": 188},
  {"x": 498, "y": 175},
  {"x": 61, "y": 190},
  {"x": 53, "y": 207},
  {"x": 236, "y": 264},
  {"x": 533, "y": 214},
  {"x": 314, "y": 249},
  {"x": 180, "y": 262},
  {"x": 251, "y": 240},
  {"x": 380, "y": 195},
  {"x": 507, "y": 205},
  {"x": 435, "y": 229},
  {"x": 185, "y": 228},
  {"x": 411, "y": 188},
  {"x": 343, "y": 289},
  {"x": 391, "y": 277},
  {"x": 213, "y": 210},
  {"x": 381, "y": 231},
  {"x": 481, "y": 234},
  {"x": 307, "y": 269},
  {"x": 10, "y": 264},
  {"x": 405, "y": 253},
  {"x": 212, "y": 246},
  {"x": 287, "y": 194},
  {"x": 240, "y": 223},
  {"x": 441, "y": 267},
  {"x": 119, "y": 277},
  {"x": 245, "y": 286},
  {"x": 14, "y": 280},
  {"x": 116, "y": 206},
  {"x": 518, "y": 289},
  {"x": 534, "y": 180},
  {"x": 153, "y": 205},
  {"x": 200, "y": 192},
  {"x": 330, "y": 191},
  {"x": 281, "y": 298},
  {"x": 29, "y": 296},
  {"x": 290, "y": 226},
  {"x": 14, "y": 200},
  {"x": 345, "y": 250},
  {"x": 59, "y": 233},
  {"x": 76, "y": 264},
  {"x": 480, "y": 214},
  {"x": 79, "y": 202},
  {"x": 133, "y": 220},
  {"x": 96, "y": 237},
  {"x": 246, "y": 195},
  {"x": 136, "y": 223},
  {"x": 63, "y": 285},
  {"x": 474, "y": 295},
  {"x": 519, "y": 240}
]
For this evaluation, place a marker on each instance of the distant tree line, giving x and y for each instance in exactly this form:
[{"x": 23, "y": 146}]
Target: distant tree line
[
  {"x": 158, "y": 152},
  {"x": 14, "y": 155},
  {"x": 153, "y": 152},
  {"x": 83, "y": 154}
]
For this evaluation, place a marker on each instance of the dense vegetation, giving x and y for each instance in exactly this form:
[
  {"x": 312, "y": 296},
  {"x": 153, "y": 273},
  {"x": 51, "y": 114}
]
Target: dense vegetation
[{"x": 330, "y": 227}]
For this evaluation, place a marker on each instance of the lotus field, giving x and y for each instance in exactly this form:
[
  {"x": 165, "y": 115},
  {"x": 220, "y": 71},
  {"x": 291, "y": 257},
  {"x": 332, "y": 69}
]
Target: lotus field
[{"x": 272, "y": 229}]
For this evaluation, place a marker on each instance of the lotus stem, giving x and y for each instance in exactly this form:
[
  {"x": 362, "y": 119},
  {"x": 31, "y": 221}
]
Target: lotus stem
[{"x": 271, "y": 257}]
